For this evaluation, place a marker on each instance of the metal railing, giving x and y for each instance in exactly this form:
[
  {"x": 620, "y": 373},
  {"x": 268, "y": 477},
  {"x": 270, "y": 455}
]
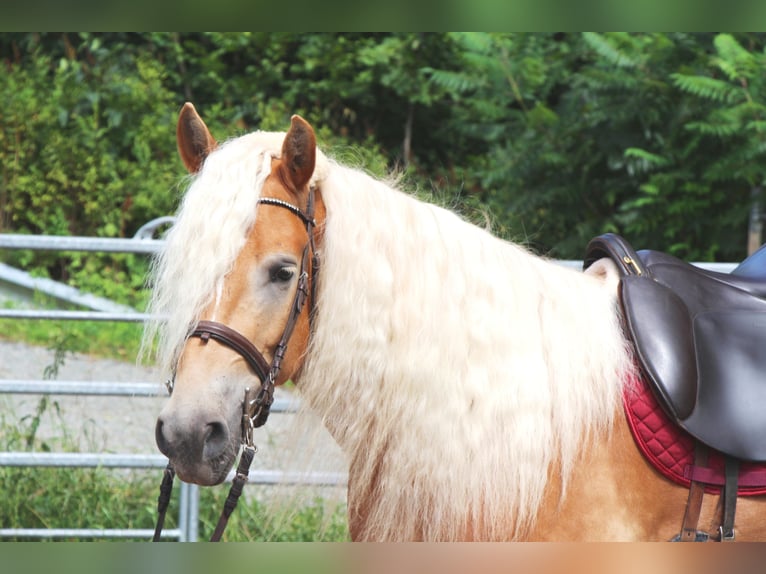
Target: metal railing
[
  {"x": 188, "y": 519},
  {"x": 188, "y": 508}
]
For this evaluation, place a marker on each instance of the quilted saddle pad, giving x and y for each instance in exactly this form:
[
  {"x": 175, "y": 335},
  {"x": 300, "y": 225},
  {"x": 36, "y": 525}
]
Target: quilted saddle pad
[{"x": 670, "y": 449}]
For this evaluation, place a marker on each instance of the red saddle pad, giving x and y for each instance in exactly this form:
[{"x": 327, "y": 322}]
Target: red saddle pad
[{"x": 670, "y": 449}]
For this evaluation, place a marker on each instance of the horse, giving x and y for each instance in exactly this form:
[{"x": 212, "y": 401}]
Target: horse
[{"x": 475, "y": 386}]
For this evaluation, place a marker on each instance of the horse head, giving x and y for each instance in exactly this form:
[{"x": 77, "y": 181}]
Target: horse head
[{"x": 254, "y": 329}]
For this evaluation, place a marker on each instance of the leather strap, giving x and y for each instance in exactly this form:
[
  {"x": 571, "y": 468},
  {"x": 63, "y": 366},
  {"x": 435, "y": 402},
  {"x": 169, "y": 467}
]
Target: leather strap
[
  {"x": 227, "y": 336},
  {"x": 166, "y": 487},
  {"x": 240, "y": 479},
  {"x": 618, "y": 250},
  {"x": 268, "y": 373},
  {"x": 689, "y": 531},
  {"x": 729, "y": 496}
]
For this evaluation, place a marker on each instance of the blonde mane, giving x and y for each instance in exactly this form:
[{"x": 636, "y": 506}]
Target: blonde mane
[
  {"x": 453, "y": 367},
  {"x": 456, "y": 370}
]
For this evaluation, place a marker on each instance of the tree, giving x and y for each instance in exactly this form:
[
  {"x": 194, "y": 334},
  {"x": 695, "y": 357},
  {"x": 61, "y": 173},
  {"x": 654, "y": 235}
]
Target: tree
[
  {"x": 559, "y": 136},
  {"x": 632, "y": 133}
]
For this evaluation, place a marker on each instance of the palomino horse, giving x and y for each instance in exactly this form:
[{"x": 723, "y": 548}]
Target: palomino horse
[{"x": 475, "y": 387}]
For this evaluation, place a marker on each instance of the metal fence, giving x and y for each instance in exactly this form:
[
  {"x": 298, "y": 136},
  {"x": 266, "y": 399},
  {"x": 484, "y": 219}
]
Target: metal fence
[
  {"x": 188, "y": 518},
  {"x": 188, "y": 508}
]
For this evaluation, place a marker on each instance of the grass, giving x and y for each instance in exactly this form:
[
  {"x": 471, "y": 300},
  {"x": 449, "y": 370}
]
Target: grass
[
  {"x": 109, "y": 340},
  {"x": 106, "y": 339},
  {"x": 100, "y": 498},
  {"x": 320, "y": 520}
]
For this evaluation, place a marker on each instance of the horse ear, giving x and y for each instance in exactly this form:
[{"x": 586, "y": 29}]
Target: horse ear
[
  {"x": 193, "y": 138},
  {"x": 299, "y": 153}
]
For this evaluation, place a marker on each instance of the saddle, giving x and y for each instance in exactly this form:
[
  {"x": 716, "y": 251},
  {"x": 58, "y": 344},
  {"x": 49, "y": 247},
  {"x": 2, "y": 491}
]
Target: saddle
[{"x": 700, "y": 340}]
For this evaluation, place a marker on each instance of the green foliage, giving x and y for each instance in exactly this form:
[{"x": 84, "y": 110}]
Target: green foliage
[
  {"x": 704, "y": 87},
  {"x": 559, "y": 136},
  {"x": 617, "y": 49},
  {"x": 655, "y": 136},
  {"x": 64, "y": 497},
  {"x": 84, "y": 146},
  {"x": 254, "y": 520},
  {"x": 120, "y": 341},
  {"x": 716, "y": 159},
  {"x": 86, "y": 149},
  {"x": 116, "y": 340}
]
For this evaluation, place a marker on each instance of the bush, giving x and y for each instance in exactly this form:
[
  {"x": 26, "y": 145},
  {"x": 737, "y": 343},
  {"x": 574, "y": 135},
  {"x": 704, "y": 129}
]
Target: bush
[{"x": 87, "y": 148}]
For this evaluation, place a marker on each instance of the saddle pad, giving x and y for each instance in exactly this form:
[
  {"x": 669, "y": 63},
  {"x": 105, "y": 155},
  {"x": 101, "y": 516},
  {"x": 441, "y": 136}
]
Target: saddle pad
[{"x": 670, "y": 449}]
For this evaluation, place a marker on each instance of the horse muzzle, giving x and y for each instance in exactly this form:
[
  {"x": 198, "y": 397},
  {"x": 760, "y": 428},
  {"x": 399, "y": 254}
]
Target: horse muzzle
[{"x": 201, "y": 447}]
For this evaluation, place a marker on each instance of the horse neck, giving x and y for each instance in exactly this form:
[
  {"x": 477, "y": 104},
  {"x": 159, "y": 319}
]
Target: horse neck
[{"x": 429, "y": 327}]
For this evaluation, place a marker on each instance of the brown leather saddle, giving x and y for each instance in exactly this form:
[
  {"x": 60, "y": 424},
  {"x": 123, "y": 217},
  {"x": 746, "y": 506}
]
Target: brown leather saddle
[{"x": 700, "y": 339}]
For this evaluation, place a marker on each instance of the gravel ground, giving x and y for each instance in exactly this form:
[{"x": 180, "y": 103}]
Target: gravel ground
[
  {"x": 96, "y": 424},
  {"x": 126, "y": 424}
]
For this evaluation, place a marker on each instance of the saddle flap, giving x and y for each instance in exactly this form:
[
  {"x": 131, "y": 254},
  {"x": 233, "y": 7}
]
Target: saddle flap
[
  {"x": 729, "y": 414},
  {"x": 661, "y": 329},
  {"x": 699, "y": 337}
]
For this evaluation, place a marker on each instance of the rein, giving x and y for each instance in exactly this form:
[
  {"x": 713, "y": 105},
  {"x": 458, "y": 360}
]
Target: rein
[{"x": 255, "y": 406}]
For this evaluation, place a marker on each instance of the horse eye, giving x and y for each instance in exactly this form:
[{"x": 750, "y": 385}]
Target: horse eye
[{"x": 282, "y": 274}]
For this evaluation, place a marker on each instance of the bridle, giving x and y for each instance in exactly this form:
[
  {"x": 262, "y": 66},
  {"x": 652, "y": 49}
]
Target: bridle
[
  {"x": 268, "y": 373},
  {"x": 256, "y": 404}
]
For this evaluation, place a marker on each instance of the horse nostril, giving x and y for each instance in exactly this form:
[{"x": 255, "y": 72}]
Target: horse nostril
[
  {"x": 205, "y": 442},
  {"x": 159, "y": 438},
  {"x": 216, "y": 440}
]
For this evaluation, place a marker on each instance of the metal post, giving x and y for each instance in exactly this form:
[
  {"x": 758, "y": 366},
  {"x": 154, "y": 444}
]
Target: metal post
[
  {"x": 193, "y": 527},
  {"x": 188, "y": 513},
  {"x": 183, "y": 512}
]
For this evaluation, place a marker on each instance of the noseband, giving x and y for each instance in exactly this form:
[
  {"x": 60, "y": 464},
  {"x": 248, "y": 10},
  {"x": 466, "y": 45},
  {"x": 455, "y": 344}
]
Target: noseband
[{"x": 256, "y": 406}]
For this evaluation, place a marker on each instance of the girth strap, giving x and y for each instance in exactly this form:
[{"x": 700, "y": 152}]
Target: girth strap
[
  {"x": 727, "y": 501},
  {"x": 729, "y": 496},
  {"x": 689, "y": 532}
]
